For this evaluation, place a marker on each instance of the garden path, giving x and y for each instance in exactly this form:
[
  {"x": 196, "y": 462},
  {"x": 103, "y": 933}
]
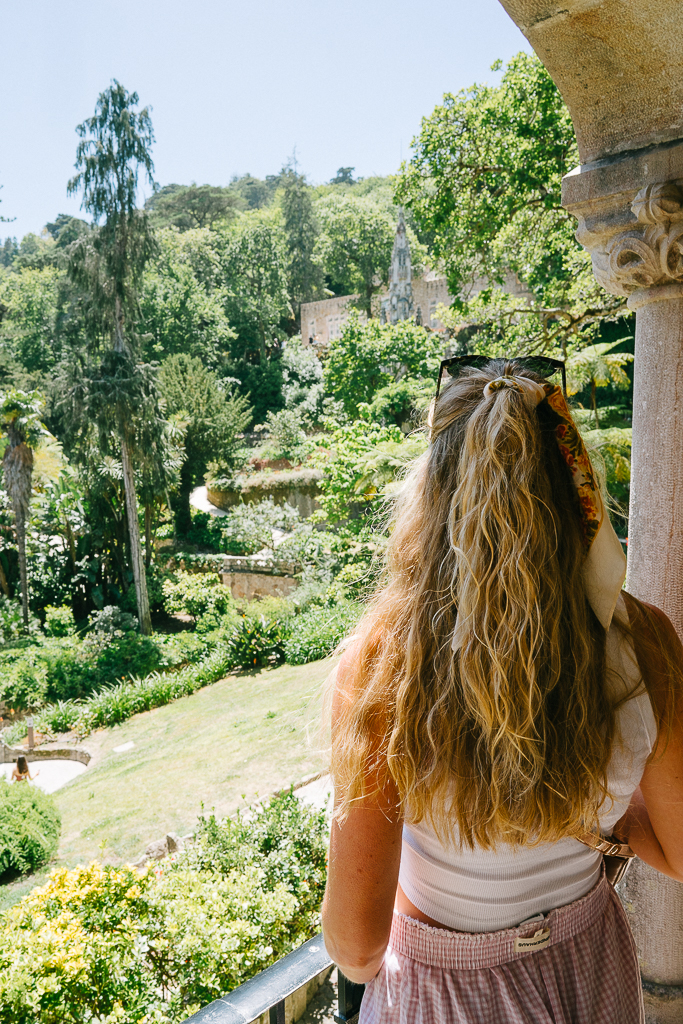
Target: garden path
[
  {"x": 48, "y": 775},
  {"x": 200, "y": 501}
]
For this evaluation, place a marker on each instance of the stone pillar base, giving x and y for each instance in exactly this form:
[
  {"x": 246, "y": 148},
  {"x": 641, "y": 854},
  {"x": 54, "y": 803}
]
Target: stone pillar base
[{"x": 663, "y": 1004}]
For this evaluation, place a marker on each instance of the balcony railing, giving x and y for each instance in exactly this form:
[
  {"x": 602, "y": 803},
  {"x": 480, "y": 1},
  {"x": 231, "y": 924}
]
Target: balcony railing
[{"x": 267, "y": 991}]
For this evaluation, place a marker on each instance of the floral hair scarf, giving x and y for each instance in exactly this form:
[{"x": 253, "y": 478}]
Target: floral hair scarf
[{"x": 604, "y": 569}]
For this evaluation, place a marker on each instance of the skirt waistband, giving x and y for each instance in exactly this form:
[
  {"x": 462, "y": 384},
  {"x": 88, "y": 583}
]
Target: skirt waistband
[{"x": 470, "y": 951}]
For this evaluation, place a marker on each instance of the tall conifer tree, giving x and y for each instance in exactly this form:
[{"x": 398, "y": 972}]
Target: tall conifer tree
[{"x": 119, "y": 393}]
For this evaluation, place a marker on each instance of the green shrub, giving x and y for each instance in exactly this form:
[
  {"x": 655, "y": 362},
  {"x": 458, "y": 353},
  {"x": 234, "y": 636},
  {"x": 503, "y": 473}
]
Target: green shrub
[
  {"x": 107, "y": 944},
  {"x": 112, "y": 621},
  {"x": 287, "y": 435},
  {"x": 117, "y": 703},
  {"x": 317, "y": 632},
  {"x": 29, "y": 827},
  {"x": 274, "y": 608},
  {"x": 59, "y": 621},
  {"x": 11, "y": 621},
  {"x": 68, "y": 668},
  {"x": 197, "y": 594},
  {"x": 285, "y": 839},
  {"x": 256, "y": 643},
  {"x": 248, "y": 527},
  {"x": 205, "y": 531}
]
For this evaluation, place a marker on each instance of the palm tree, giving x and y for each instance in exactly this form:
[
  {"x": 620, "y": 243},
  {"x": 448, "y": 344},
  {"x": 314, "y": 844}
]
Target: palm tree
[
  {"x": 20, "y": 415},
  {"x": 598, "y": 366}
]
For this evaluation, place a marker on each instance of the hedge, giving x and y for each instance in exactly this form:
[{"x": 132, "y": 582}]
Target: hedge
[{"x": 29, "y": 827}]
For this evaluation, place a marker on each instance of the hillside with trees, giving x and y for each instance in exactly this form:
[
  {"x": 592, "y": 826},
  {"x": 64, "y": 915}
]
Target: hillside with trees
[{"x": 149, "y": 348}]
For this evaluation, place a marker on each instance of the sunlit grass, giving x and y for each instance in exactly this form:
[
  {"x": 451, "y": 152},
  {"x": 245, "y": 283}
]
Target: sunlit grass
[{"x": 243, "y": 737}]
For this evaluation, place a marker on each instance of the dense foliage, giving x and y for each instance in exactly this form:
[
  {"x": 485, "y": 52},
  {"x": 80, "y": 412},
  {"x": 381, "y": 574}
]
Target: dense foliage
[
  {"x": 200, "y": 375},
  {"x": 485, "y": 182},
  {"x": 317, "y": 632},
  {"x": 29, "y": 827},
  {"x": 111, "y": 944}
]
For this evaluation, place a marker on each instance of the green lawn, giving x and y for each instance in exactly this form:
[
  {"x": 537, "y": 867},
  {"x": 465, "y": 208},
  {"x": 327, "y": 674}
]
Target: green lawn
[{"x": 242, "y": 737}]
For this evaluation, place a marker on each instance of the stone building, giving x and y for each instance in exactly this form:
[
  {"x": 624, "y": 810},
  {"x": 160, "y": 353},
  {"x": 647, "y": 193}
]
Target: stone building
[
  {"x": 398, "y": 305},
  {"x": 409, "y": 297},
  {"x": 406, "y": 298}
]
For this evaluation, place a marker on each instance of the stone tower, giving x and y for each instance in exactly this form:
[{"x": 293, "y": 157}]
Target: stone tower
[{"x": 399, "y": 304}]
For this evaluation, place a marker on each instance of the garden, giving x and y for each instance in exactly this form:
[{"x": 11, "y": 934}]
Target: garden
[{"x": 148, "y": 352}]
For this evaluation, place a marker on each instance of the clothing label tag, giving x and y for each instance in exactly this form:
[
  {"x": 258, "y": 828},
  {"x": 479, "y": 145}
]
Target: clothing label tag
[{"x": 538, "y": 941}]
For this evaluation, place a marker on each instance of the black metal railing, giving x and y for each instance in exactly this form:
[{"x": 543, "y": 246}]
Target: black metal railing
[{"x": 267, "y": 991}]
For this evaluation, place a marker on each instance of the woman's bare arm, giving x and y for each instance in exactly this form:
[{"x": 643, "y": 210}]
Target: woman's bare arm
[
  {"x": 365, "y": 855},
  {"x": 656, "y": 833},
  {"x": 635, "y": 828},
  {"x": 653, "y": 823}
]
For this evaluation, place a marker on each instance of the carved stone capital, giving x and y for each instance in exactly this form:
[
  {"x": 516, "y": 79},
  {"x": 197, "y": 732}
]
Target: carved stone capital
[
  {"x": 630, "y": 214},
  {"x": 646, "y": 248}
]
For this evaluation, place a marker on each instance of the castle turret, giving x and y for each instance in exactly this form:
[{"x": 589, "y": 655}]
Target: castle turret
[{"x": 399, "y": 304}]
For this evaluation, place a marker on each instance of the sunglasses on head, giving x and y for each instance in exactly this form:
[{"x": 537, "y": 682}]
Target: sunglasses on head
[{"x": 544, "y": 366}]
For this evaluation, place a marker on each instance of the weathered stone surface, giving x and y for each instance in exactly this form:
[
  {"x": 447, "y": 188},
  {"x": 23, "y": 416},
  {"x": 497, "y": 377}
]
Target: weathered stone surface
[
  {"x": 296, "y": 487},
  {"x": 399, "y": 305},
  {"x": 174, "y": 843},
  {"x": 617, "y": 63},
  {"x": 630, "y": 214},
  {"x": 663, "y": 1004},
  {"x": 156, "y": 850},
  {"x": 245, "y": 586},
  {"x": 651, "y": 899},
  {"x": 46, "y": 753}
]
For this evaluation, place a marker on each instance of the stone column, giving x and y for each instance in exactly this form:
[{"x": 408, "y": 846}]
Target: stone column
[{"x": 630, "y": 213}]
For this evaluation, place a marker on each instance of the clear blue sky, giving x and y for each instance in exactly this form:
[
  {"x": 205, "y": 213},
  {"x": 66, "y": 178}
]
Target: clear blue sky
[{"x": 234, "y": 87}]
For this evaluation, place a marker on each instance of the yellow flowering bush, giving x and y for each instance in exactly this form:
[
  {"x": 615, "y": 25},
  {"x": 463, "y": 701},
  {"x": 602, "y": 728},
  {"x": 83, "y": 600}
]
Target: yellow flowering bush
[{"x": 115, "y": 946}]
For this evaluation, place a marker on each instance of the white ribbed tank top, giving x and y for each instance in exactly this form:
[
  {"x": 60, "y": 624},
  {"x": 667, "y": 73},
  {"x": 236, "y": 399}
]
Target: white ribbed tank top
[{"x": 487, "y": 890}]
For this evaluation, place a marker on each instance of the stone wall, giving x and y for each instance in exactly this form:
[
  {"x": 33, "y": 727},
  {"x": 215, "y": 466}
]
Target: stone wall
[
  {"x": 8, "y": 754},
  {"x": 246, "y": 586},
  {"x": 298, "y": 488},
  {"x": 321, "y": 322}
]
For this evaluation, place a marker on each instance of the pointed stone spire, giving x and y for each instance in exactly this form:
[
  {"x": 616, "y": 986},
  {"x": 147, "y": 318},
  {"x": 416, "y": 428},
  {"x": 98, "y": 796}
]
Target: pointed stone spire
[{"x": 399, "y": 305}]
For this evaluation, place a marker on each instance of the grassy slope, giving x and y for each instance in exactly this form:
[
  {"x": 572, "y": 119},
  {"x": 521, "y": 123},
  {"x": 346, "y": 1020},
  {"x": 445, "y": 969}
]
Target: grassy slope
[{"x": 245, "y": 736}]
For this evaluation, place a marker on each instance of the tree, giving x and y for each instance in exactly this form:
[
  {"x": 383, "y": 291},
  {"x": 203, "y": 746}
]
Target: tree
[
  {"x": 366, "y": 358},
  {"x": 211, "y": 418},
  {"x": 355, "y": 245},
  {"x": 8, "y": 250},
  {"x": 302, "y": 381},
  {"x": 65, "y": 229},
  {"x": 301, "y": 225},
  {"x": 28, "y": 327},
  {"x": 20, "y": 412},
  {"x": 108, "y": 263},
  {"x": 192, "y": 206},
  {"x": 254, "y": 263},
  {"x": 181, "y": 305},
  {"x": 484, "y": 182},
  {"x": 344, "y": 176}
]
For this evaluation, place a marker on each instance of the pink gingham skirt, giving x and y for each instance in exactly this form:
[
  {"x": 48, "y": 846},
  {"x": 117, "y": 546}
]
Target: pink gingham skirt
[{"x": 580, "y": 967}]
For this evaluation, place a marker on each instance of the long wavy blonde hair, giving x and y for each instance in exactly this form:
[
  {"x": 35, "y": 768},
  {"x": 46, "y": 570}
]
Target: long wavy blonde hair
[{"x": 508, "y": 736}]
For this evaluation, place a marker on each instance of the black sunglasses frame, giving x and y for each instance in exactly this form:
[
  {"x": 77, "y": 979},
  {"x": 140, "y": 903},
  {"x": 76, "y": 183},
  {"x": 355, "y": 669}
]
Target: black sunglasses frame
[{"x": 552, "y": 365}]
